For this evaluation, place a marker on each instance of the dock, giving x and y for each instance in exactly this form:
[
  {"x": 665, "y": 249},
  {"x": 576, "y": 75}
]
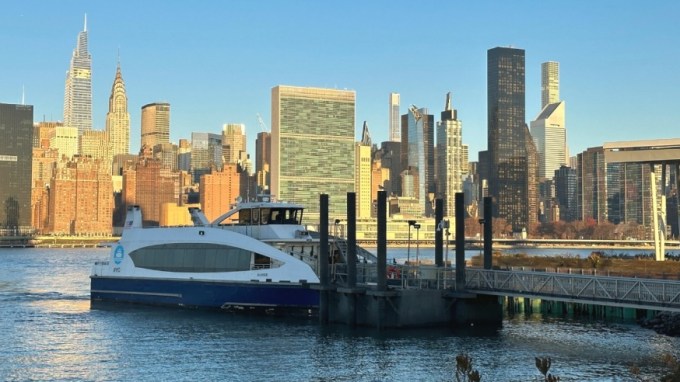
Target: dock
[{"x": 369, "y": 295}]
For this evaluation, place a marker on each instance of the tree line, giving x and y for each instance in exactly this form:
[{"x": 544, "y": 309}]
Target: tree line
[{"x": 587, "y": 229}]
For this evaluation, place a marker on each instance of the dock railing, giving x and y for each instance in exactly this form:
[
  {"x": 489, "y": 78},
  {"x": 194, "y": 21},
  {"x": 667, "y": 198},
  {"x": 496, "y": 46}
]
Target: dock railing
[
  {"x": 620, "y": 291},
  {"x": 597, "y": 289}
]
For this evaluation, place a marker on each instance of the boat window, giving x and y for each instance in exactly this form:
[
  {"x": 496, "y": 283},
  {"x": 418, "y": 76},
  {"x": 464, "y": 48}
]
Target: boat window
[
  {"x": 265, "y": 214},
  {"x": 277, "y": 216},
  {"x": 293, "y": 216},
  {"x": 261, "y": 262},
  {"x": 255, "y": 216},
  {"x": 285, "y": 216},
  {"x": 244, "y": 217},
  {"x": 192, "y": 257}
]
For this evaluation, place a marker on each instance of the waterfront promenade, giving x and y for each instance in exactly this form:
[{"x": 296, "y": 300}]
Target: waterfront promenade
[
  {"x": 76, "y": 241},
  {"x": 56, "y": 241}
]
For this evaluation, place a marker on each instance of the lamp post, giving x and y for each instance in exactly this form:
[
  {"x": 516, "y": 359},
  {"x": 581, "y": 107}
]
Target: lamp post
[
  {"x": 408, "y": 252},
  {"x": 417, "y": 227},
  {"x": 445, "y": 226},
  {"x": 481, "y": 235},
  {"x": 335, "y": 240}
]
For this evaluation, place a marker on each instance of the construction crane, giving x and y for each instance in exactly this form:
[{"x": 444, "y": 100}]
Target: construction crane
[{"x": 261, "y": 122}]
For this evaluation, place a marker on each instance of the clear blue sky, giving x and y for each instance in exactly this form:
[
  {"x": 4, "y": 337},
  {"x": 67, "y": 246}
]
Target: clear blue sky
[{"x": 216, "y": 61}]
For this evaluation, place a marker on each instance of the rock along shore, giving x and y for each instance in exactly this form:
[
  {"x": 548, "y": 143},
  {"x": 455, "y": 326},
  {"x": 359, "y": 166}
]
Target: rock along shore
[{"x": 667, "y": 323}]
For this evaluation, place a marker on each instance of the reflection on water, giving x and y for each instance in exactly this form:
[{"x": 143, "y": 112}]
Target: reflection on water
[{"x": 50, "y": 331}]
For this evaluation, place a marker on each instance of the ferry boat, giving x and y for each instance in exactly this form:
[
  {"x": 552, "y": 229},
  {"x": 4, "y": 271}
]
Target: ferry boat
[{"x": 256, "y": 256}]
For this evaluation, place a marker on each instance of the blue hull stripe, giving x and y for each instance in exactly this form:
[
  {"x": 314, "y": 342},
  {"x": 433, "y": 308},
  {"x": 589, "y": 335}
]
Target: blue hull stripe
[{"x": 203, "y": 293}]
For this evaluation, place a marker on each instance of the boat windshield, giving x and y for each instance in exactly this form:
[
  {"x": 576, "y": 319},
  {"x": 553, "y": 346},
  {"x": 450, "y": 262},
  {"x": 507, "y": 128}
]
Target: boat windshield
[
  {"x": 277, "y": 215},
  {"x": 282, "y": 216}
]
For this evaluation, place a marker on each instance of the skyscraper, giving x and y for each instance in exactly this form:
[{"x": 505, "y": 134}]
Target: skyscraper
[
  {"x": 417, "y": 148},
  {"x": 629, "y": 192},
  {"x": 219, "y": 190},
  {"x": 167, "y": 153},
  {"x": 81, "y": 197},
  {"x": 155, "y": 124},
  {"x": 550, "y": 138},
  {"x": 16, "y": 151},
  {"x": 449, "y": 163},
  {"x": 362, "y": 182},
  {"x": 44, "y": 161},
  {"x": 65, "y": 139},
  {"x": 592, "y": 185},
  {"x": 233, "y": 142},
  {"x": 395, "y": 129},
  {"x": 95, "y": 144},
  {"x": 206, "y": 152},
  {"x": 42, "y": 131},
  {"x": 118, "y": 118},
  {"x": 263, "y": 159},
  {"x": 511, "y": 148},
  {"x": 313, "y": 147},
  {"x": 548, "y": 129},
  {"x": 149, "y": 185},
  {"x": 465, "y": 161},
  {"x": 566, "y": 182},
  {"x": 550, "y": 83},
  {"x": 184, "y": 155},
  {"x": 78, "y": 92},
  {"x": 390, "y": 159}
]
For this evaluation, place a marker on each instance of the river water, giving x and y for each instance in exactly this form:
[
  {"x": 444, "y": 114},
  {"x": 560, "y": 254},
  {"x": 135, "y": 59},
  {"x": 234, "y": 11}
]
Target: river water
[{"x": 50, "y": 331}]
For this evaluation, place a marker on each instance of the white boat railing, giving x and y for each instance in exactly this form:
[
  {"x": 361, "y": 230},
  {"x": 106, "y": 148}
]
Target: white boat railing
[{"x": 99, "y": 268}]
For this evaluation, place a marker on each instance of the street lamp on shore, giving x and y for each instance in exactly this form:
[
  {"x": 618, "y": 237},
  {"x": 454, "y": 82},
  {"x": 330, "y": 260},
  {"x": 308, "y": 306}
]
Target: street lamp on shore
[{"x": 408, "y": 251}]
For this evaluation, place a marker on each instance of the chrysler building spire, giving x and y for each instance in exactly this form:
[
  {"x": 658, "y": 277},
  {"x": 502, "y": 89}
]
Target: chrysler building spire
[{"x": 118, "y": 118}]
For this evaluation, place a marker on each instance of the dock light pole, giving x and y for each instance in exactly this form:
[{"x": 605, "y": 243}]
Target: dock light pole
[
  {"x": 444, "y": 224},
  {"x": 411, "y": 223},
  {"x": 481, "y": 234},
  {"x": 335, "y": 240},
  {"x": 443, "y": 227},
  {"x": 417, "y": 227}
]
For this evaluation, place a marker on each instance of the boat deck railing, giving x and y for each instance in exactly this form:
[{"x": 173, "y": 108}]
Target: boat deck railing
[{"x": 99, "y": 268}]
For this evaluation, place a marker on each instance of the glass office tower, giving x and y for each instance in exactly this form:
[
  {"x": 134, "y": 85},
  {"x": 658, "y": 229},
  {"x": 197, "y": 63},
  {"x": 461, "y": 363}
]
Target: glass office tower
[
  {"x": 16, "y": 157},
  {"x": 511, "y": 149},
  {"x": 313, "y": 147},
  {"x": 78, "y": 88}
]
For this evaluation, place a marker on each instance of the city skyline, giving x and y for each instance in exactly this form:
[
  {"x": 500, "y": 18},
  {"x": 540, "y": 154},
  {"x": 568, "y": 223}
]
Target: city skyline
[{"x": 605, "y": 64}]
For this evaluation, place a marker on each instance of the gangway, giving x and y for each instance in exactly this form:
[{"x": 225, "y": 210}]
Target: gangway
[{"x": 626, "y": 292}]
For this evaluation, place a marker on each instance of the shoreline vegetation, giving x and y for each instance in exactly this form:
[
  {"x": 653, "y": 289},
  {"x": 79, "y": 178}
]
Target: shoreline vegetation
[{"x": 643, "y": 266}]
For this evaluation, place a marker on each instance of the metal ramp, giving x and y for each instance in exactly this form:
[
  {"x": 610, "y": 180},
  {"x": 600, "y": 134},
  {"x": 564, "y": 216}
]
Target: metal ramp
[
  {"x": 341, "y": 244},
  {"x": 362, "y": 254}
]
